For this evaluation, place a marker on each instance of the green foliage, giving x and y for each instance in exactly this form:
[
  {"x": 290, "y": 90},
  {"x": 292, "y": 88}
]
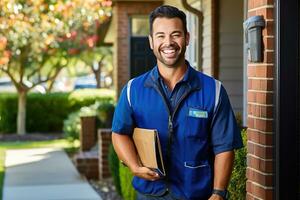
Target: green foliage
[
  {"x": 71, "y": 127},
  {"x": 2, "y": 169},
  {"x": 46, "y": 112},
  {"x": 83, "y": 97},
  {"x": 128, "y": 192},
  {"x": 8, "y": 112},
  {"x": 113, "y": 162},
  {"x": 237, "y": 185},
  {"x": 103, "y": 110}
]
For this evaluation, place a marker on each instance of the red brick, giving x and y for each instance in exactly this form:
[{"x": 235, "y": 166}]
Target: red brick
[
  {"x": 249, "y": 197},
  {"x": 268, "y": 57},
  {"x": 264, "y": 71},
  {"x": 260, "y": 84},
  {"x": 262, "y": 179},
  {"x": 260, "y": 151},
  {"x": 258, "y": 191},
  {"x": 269, "y": 43},
  {"x": 258, "y": 3},
  {"x": 250, "y": 122},
  {"x": 268, "y": 13},
  {"x": 260, "y": 164},
  {"x": 261, "y": 111},
  {"x": 261, "y": 138},
  {"x": 263, "y": 125},
  {"x": 269, "y": 28},
  {"x": 260, "y": 97}
]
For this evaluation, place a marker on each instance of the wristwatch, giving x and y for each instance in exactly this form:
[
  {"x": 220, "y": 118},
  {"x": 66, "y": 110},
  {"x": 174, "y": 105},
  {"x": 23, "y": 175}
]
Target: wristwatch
[{"x": 223, "y": 193}]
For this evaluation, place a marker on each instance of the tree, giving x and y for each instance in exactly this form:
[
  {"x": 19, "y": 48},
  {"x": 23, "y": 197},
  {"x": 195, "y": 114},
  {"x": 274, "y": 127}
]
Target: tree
[
  {"x": 35, "y": 32},
  {"x": 95, "y": 59}
]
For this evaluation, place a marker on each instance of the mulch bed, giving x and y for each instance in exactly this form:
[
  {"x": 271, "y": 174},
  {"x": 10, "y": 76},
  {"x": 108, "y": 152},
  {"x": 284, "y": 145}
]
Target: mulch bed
[{"x": 106, "y": 189}]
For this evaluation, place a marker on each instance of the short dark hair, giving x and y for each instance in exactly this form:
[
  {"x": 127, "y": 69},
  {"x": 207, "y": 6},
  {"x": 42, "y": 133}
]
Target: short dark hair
[{"x": 168, "y": 12}]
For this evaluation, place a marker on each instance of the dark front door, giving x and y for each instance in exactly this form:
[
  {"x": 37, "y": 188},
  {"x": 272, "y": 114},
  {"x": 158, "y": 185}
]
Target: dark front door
[
  {"x": 288, "y": 100},
  {"x": 142, "y": 58}
]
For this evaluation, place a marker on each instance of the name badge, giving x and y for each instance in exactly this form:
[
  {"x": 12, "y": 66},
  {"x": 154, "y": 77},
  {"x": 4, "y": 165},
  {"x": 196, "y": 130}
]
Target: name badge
[{"x": 198, "y": 113}]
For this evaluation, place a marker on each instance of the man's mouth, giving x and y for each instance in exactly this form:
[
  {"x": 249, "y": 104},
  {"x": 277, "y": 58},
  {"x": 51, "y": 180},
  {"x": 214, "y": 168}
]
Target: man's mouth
[{"x": 169, "y": 52}]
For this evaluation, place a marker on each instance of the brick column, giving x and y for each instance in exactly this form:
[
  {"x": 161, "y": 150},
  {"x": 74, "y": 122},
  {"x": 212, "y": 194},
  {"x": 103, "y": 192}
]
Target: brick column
[
  {"x": 88, "y": 133},
  {"x": 104, "y": 140},
  {"x": 260, "y": 158},
  {"x": 87, "y": 164}
]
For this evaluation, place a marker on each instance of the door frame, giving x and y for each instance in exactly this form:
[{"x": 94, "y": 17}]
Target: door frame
[{"x": 287, "y": 99}]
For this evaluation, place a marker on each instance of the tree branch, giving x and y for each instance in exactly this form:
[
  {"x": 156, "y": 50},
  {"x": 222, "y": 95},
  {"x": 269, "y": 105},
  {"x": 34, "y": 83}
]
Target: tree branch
[{"x": 13, "y": 80}]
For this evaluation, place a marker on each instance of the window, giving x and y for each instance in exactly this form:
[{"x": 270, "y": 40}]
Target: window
[{"x": 139, "y": 26}]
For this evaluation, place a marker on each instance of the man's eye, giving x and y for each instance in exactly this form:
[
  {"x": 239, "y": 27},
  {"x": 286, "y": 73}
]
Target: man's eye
[
  {"x": 176, "y": 35},
  {"x": 160, "y": 36}
]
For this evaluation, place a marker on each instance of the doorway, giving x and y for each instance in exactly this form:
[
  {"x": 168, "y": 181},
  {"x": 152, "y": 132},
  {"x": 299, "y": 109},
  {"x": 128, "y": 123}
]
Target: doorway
[{"x": 142, "y": 58}]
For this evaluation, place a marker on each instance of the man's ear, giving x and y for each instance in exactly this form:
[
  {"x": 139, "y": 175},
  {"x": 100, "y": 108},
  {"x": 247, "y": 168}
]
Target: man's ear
[
  {"x": 187, "y": 38},
  {"x": 150, "y": 41}
]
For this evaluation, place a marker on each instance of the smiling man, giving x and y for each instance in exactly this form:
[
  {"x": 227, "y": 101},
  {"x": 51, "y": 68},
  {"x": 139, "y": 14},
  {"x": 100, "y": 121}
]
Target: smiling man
[{"x": 191, "y": 112}]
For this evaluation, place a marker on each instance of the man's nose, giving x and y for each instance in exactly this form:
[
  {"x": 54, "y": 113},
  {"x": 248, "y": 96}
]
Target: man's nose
[{"x": 168, "y": 40}]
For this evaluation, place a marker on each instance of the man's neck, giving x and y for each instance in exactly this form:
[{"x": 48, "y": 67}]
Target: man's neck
[{"x": 172, "y": 76}]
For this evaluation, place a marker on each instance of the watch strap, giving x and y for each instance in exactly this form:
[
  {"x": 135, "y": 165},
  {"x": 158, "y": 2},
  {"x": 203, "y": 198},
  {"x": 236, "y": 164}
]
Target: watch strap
[{"x": 222, "y": 193}]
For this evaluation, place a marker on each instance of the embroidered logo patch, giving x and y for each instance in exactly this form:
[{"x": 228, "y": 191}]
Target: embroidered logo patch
[{"x": 198, "y": 113}]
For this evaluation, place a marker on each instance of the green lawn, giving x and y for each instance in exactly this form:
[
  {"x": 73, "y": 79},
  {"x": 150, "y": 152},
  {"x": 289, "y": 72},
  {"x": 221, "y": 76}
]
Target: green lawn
[{"x": 68, "y": 146}]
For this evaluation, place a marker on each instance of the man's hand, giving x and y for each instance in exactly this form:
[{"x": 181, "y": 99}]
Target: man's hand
[
  {"x": 145, "y": 173},
  {"x": 215, "y": 197}
]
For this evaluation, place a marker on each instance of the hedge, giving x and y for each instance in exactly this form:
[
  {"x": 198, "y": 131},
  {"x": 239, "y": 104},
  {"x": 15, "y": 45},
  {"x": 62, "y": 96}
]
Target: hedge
[
  {"x": 127, "y": 190},
  {"x": 113, "y": 162},
  {"x": 46, "y": 112},
  {"x": 237, "y": 184}
]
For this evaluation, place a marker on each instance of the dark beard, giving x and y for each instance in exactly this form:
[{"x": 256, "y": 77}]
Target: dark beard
[{"x": 174, "y": 64}]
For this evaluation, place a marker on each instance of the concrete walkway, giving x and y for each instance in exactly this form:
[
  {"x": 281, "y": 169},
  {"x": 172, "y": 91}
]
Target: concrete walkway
[{"x": 43, "y": 174}]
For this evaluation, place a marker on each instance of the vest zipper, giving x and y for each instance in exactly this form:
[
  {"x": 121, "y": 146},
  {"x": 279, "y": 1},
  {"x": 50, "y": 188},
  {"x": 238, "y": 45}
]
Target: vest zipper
[{"x": 170, "y": 130}]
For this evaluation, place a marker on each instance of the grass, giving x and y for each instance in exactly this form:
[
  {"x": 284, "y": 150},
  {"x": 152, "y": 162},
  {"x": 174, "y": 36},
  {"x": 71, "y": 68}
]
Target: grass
[{"x": 69, "y": 147}]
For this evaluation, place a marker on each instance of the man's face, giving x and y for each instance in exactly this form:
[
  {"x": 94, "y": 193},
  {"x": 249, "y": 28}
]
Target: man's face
[{"x": 168, "y": 41}]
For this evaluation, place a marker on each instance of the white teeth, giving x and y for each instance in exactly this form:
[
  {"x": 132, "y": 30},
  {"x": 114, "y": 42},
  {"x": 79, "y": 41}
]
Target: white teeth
[{"x": 168, "y": 51}]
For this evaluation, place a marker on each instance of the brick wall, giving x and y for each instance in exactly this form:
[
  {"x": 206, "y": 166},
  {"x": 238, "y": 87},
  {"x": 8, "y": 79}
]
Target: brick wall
[
  {"x": 87, "y": 164},
  {"x": 88, "y": 133},
  {"x": 122, "y": 11},
  {"x": 260, "y": 158},
  {"x": 86, "y": 160},
  {"x": 104, "y": 140}
]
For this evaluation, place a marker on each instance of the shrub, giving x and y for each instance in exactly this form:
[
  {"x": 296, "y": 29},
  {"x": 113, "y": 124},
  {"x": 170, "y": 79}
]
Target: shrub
[
  {"x": 237, "y": 185},
  {"x": 46, "y": 112},
  {"x": 103, "y": 110},
  {"x": 128, "y": 192},
  {"x": 72, "y": 126},
  {"x": 8, "y": 112},
  {"x": 113, "y": 162}
]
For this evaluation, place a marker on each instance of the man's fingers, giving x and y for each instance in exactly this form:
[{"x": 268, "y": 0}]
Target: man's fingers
[
  {"x": 152, "y": 173},
  {"x": 147, "y": 173}
]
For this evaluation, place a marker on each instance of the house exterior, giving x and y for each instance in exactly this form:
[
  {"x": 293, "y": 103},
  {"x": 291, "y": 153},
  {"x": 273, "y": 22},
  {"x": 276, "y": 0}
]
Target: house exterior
[{"x": 264, "y": 94}]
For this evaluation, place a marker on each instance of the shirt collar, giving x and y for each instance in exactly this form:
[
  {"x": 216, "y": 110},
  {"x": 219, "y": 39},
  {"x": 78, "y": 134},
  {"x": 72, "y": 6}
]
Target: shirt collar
[
  {"x": 157, "y": 77},
  {"x": 190, "y": 76}
]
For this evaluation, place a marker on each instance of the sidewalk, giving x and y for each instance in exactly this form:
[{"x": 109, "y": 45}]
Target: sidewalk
[{"x": 43, "y": 174}]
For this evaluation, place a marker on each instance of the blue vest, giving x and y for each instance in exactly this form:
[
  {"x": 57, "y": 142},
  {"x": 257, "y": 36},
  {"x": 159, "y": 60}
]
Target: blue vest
[{"x": 184, "y": 134}]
